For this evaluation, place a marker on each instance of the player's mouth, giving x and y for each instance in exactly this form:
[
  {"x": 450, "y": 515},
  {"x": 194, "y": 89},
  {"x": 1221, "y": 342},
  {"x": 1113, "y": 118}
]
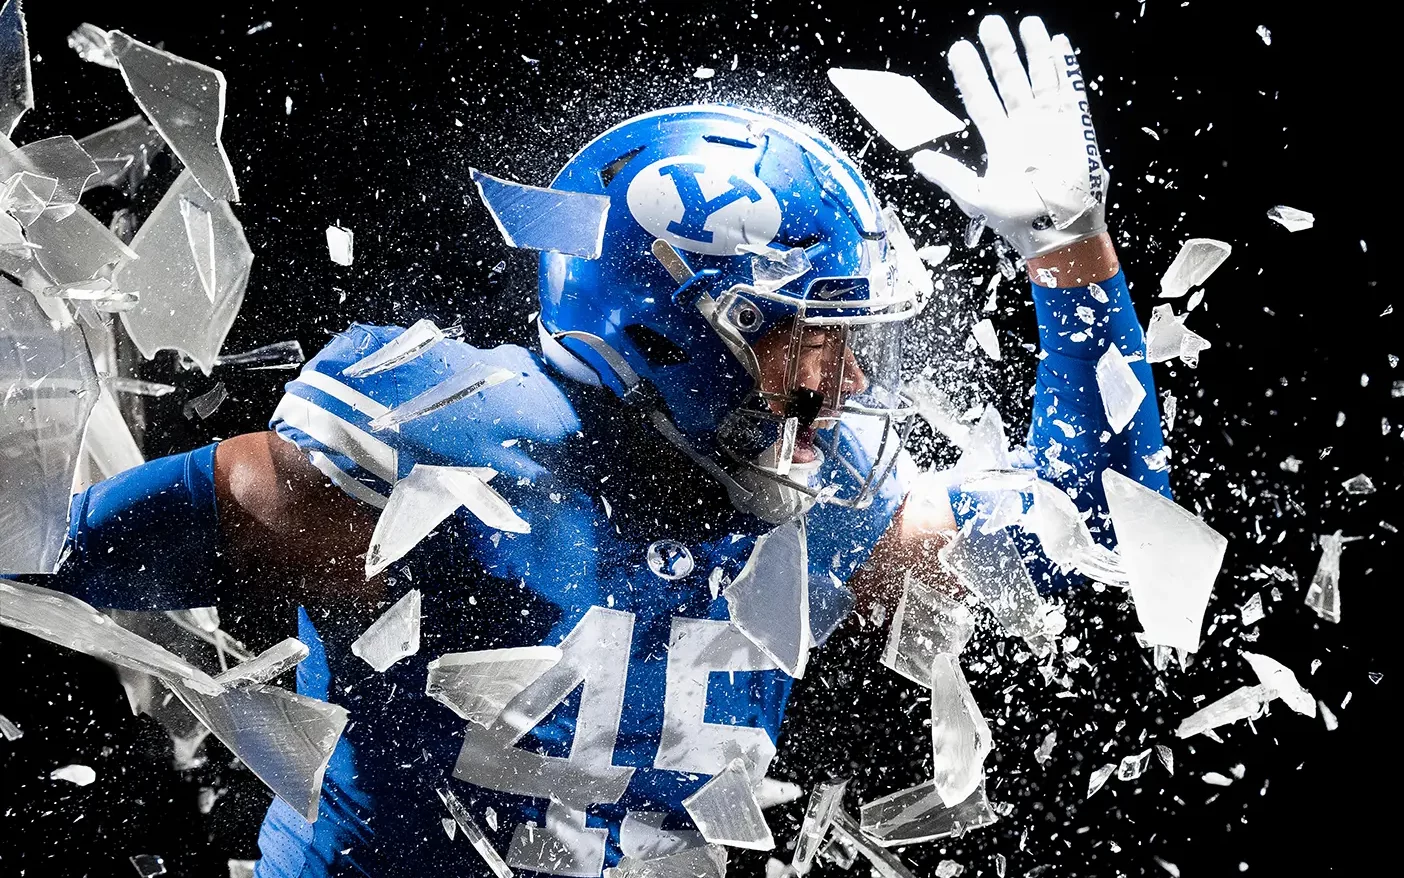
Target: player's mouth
[{"x": 804, "y": 446}]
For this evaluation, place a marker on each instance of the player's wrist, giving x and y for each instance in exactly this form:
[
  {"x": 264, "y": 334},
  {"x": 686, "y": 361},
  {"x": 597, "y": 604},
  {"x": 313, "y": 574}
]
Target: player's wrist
[{"x": 1090, "y": 260}]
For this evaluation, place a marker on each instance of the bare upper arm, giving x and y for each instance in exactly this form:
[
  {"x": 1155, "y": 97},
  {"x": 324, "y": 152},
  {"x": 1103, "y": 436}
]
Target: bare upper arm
[
  {"x": 922, "y": 526},
  {"x": 286, "y": 527}
]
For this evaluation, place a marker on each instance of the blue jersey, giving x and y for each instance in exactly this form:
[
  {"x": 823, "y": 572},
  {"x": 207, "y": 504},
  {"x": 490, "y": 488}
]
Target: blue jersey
[{"x": 655, "y": 690}]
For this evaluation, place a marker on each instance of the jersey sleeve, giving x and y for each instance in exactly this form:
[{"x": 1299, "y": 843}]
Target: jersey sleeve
[{"x": 1070, "y": 440}]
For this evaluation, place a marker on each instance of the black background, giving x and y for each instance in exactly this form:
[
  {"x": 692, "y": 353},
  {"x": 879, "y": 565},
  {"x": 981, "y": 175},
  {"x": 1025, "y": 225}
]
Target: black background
[{"x": 392, "y": 103}]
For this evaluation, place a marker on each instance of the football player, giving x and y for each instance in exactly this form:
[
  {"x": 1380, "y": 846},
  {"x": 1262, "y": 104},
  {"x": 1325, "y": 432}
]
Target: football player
[{"x": 707, "y": 455}]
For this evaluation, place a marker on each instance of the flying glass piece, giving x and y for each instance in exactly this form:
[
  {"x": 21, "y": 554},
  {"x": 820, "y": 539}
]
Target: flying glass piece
[
  {"x": 535, "y": 218},
  {"x": 706, "y": 861},
  {"x": 394, "y": 636},
  {"x": 460, "y": 385},
  {"x": 341, "y": 245},
  {"x": 1197, "y": 259},
  {"x": 401, "y": 349},
  {"x": 276, "y": 355},
  {"x": 1121, "y": 392},
  {"x": 918, "y": 814},
  {"x": 273, "y": 662},
  {"x": 123, "y": 153},
  {"x": 206, "y": 404},
  {"x": 960, "y": 737},
  {"x": 478, "y": 685},
  {"x": 726, "y": 811},
  {"x": 986, "y": 338},
  {"x": 1277, "y": 677},
  {"x": 78, "y": 775},
  {"x": 824, "y": 801},
  {"x": 769, "y": 599},
  {"x": 1291, "y": 219},
  {"x": 925, "y": 624},
  {"x": 474, "y": 833},
  {"x": 901, "y": 111},
  {"x": 1324, "y": 595},
  {"x": 884, "y": 863},
  {"x": 94, "y": 45},
  {"x": 418, "y": 504},
  {"x": 1246, "y": 702}
]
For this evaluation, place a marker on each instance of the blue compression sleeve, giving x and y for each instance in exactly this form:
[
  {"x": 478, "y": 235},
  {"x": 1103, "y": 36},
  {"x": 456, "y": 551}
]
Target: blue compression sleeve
[
  {"x": 1070, "y": 440},
  {"x": 145, "y": 539}
]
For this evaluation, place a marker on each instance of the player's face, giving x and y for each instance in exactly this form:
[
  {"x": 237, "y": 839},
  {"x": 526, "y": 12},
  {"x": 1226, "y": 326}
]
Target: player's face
[{"x": 815, "y": 358}]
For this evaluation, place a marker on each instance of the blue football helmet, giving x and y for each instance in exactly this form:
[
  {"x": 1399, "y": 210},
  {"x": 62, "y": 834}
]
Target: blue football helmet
[{"x": 750, "y": 292}]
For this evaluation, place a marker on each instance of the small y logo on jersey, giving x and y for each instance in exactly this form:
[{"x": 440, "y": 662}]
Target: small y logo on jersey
[{"x": 703, "y": 207}]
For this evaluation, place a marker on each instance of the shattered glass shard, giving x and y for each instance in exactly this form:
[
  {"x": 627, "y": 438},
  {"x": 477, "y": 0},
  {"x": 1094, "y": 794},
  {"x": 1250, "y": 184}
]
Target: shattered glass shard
[
  {"x": 136, "y": 386},
  {"x": 1291, "y": 219},
  {"x": 280, "y": 353},
  {"x": 423, "y": 499},
  {"x": 478, "y": 685},
  {"x": 925, "y": 623},
  {"x": 1278, "y": 678},
  {"x": 76, "y": 248},
  {"x": 48, "y": 388},
  {"x": 706, "y": 861},
  {"x": 474, "y": 833},
  {"x": 934, "y": 254},
  {"x": 1214, "y": 778},
  {"x": 1166, "y": 756},
  {"x": 476, "y": 378},
  {"x": 974, "y": 230},
  {"x": 341, "y": 245},
  {"x": 1099, "y": 778},
  {"x": 772, "y": 268},
  {"x": 1246, "y": 702},
  {"x": 123, "y": 153},
  {"x": 16, "y": 90},
  {"x": 1197, "y": 259},
  {"x": 185, "y": 101},
  {"x": 148, "y": 865},
  {"x": 395, "y": 635},
  {"x": 901, "y": 111},
  {"x": 884, "y": 863},
  {"x": 401, "y": 349},
  {"x": 1171, "y": 558},
  {"x": 824, "y": 800},
  {"x": 11, "y": 731},
  {"x": 78, "y": 775},
  {"x": 1121, "y": 392},
  {"x": 175, "y": 312},
  {"x": 726, "y": 811},
  {"x": 271, "y": 663},
  {"x": 242, "y": 868},
  {"x": 936, "y": 408},
  {"x": 918, "y": 814},
  {"x": 949, "y": 869},
  {"x": 769, "y": 599},
  {"x": 537, "y": 218},
  {"x": 987, "y": 445},
  {"x": 205, "y": 404},
  {"x": 1252, "y": 610},
  {"x": 1361, "y": 484},
  {"x": 986, "y": 338},
  {"x": 93, "y": 45},
  {"x": 1324, "y": 595},
  {"x": 1045, "y": 748},
  {"x": 960, "y": 737},
  {"x": 989, "y": 565},
  {"x": 98, "y": 292},
  {"x": 1132, "y": 767},
  {"x": 1327, "y": 717},
  {"x": 199, "y": 231},
  {"x": 59, "y": 159}
]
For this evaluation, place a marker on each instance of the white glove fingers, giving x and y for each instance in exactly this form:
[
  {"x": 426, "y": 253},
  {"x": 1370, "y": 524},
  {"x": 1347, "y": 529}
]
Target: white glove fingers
[
  {"x": 1044, "y": 75},
  {"x": 960, "y": 182},
  {"x": 1008, "y": 70},
  {"x": 977, "y": 92}
]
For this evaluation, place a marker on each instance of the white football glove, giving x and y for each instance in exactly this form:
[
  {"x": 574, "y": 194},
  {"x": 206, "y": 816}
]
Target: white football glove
[{"x": 1044, "y": 185}]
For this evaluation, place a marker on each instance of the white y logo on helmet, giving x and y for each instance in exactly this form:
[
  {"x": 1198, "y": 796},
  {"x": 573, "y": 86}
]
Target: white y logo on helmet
[{"x": 703, "y": 207}]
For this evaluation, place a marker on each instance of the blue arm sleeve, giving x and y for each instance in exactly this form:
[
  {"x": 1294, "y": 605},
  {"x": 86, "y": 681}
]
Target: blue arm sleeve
[
  {"x": 1070, "y": 440},
  {"x": 146, "y": 539}
]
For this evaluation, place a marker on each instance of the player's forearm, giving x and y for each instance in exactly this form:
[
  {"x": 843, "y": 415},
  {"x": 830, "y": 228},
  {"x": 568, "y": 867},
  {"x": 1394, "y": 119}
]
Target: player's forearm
[{"x": 1092, "y": 260}]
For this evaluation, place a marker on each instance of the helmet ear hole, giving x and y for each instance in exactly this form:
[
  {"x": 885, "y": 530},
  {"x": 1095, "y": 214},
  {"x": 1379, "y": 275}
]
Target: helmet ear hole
[{"x": 655, "y": 346}]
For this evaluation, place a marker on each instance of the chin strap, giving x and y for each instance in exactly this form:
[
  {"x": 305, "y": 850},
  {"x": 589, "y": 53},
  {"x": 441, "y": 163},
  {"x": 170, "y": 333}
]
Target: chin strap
[{"x": 638, "y": 394}]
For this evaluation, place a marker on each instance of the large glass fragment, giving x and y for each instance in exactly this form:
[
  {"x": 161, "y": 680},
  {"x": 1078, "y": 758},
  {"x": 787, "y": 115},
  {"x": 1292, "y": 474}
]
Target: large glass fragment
[
  {"x": 1277, "y": 677},
  {"x": 1245, "y": 702},
  {"x": 918, "y": 814},
  {"x": 207, "y": 403},
  {"x": 78, "y": 775},
  {"x": 341, "y": 245},
  {"x": 1099, "y": 778},
  {"x": 1121, "y": 392},
  {"x": 885, "y": 863},
  {"x": 76, "y": 248},
  {"x": 536, "y": 218},
  {"x": 460, "y": 385},
  {"x": 1324, "y": 595},
  {"x": 48, "y": 388},
  {"x": 185, "y": 101},
  {"x": 707, "y": 861},
  {"x": 1291, "y": 219},
  {"x": 272, "y": 662},
  {"x": 901, "y": 111},
  {"x": 424, "y": 498},
  {"x": 772, "y": 268},
  {"x": 395, "y": 635},
  {"x": 985, "y": 337},
  {"x": 474, "y": 833},
  {"x": 123, "y": 153},
  {"x": 200, "y": 234},
  {"x": 1171, "y": 558},
  {"x": 279, "y": 354},
  {"x": 960, "y": 737},
  {"x": 824, "y": 801},
  {"x": 175, "y": 312},
  {"x": 1167, "y": 338},
  {"x": 98, "y": 292},
  {"x": 59, "y": 159},
  {"x": 989, "y": 565},
  {"x": 1359, "y": 484},
  {"x": 726, "y": 811},
  {"x": 1133, "y": 766},
  {"x": 769, "y": 599},
  {"x": 16, "y": 91},
  {"x": 478, "y": 685},
  {"x": 1197, "y": 259},
  {"x": 926, "y": 622},
  {"x": 401, "y": 349}
]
